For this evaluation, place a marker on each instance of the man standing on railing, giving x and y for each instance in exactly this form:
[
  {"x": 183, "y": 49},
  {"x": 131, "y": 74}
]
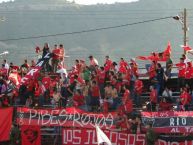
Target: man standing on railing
[
  {"x": 181, "y": 73},
  {"x": 153, "y": 99},
  {"x": 160, "y": 80}
]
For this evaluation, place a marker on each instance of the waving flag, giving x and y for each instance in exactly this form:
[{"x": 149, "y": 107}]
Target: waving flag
[
  {"x": 186, "y": 48},
  {"x": 101, "y": 137},
  {"x": 162, "y": 56}
]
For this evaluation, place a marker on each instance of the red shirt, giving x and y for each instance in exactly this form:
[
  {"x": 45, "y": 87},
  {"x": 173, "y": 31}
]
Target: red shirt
[
  {"x": 182, "y": 69},
  {"x": 128, "y": 107},
  {"x": 153, "y": 96},
  {"x": 123, "y": 67},
  {"x": 78, "y": 67},
  {"x": 101, "y": 76},
  {"x": 56, "y": 53},
  {"x": 95, "y": 92},
  {"x": 31, "y": 85},
  {"x": 46, "y": 82},
  {"x": 185, "y": 98},
  {"x": 126, "y": 96},
  {"x": 108, "y": 64},
  {"x": 164, "y": 106},
  {"x": 152, "y": 71},
  {"x": 138, "y": 86},
  {"x": 189, "y": 72},
  {"x": 123, "y": 64},
  {"x": 78, "y": 100},
  {"x": 41, "y": 90}
]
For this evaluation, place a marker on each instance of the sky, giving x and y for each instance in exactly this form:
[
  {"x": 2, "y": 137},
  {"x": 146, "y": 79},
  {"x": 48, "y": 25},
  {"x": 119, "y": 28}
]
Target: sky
[{"x": 91, "y": 2}]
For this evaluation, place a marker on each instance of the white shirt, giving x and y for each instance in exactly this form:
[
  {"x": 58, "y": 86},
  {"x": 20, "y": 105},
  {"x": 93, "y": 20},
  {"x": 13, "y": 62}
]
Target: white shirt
[{"x": 6, "y": 66}]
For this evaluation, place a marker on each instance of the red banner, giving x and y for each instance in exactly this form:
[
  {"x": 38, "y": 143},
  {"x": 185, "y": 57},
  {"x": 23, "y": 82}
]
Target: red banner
[
  {"x": 185, "y": 142},
  {"x": 84, "y": 136},
  {"x": 5, "y": 123},
  {"x": 31, "y": 135}
]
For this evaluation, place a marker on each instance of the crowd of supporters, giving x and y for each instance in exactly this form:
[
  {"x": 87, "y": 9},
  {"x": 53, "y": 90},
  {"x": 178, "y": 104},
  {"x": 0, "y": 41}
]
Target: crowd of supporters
[{"x": 113, "y": 86}]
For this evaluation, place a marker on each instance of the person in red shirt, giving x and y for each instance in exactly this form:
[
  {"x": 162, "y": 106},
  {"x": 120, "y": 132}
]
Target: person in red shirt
[
  {"x": 138, "y": 91},
  {"x": 122, "y": 123},
  {"x": 135, "y": 66},
  {"x": 153, "y": 99},
  {"x": 33, "y": 64},
  {"x": 189, "y": 75},
  {"x": 78, "y": 66},
  {"x": 164, "y": 105},
  {"x": 107, "y": 64},
  {"x": 95, "y": 96},
  {"x": 185, "y": 99},
  {"x": 101, "y": 81},
  {"x": 78, "y": 99},
  {"x": 152, "y": 71},
  {"x": 181, "y": 73},
  {"x": 55, "y": 58},
  {"x": 123, "y": 65},
  {"x": 61, "y": 53},
  {"x": 126, "y": 100},
  {"x": 46, "y": 80}
]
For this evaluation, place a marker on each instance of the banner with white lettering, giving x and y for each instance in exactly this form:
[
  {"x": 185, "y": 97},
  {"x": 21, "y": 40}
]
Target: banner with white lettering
[
  {"x": 169, "y": 121},
  {"x": 163, "y": 142},
  {"x": 64, "y": 117},
  {"x": 82, "y": 136},
  {"x": 175, "y": 140}
]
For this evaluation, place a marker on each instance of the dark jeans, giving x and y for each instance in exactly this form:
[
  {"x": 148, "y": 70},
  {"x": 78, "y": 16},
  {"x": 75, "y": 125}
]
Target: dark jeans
[
  {"x": 116, "y": 102},
  {"x": 137, "y": 100},
  {"x": 181, "y": 82},
  {"x": 151, "y": 106},
  {"x": 132, "y": 86},
  {"x": 189, "y": 83}
]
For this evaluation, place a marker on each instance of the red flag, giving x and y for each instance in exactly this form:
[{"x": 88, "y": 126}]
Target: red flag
[
  {"x": 164, "y": 55},
  {"x": 186, "y": 48},
  {"x": 5, "y": 123},
  {"x": 30, "y": 135},
  {"x": 158, "y": 56},
  {"x": 142, "y": 57},
  {"x": 168, "y": 50}
]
